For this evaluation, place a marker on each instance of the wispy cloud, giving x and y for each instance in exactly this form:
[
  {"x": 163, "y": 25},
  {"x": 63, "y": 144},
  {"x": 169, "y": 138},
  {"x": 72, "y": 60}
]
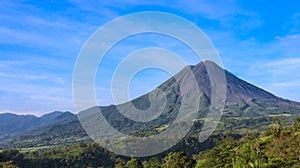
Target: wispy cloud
[
  {"x": 280, "y": 76},
  {"x": 291, "y": 44},
  {"x": 34, "y": 77},
  {"x": 10, "y": 36},
  {"x": 289, "y": 63},
  {"x": 287, "y": 84},
  {"x": 33, "y": 98},
  {"x": 10, "y": 63},
  {"x": 284, "y": 71}
]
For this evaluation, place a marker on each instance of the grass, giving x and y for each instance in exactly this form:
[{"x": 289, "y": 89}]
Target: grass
[
  {"x": 31, "y": 149},
  {"x": 266, "y": 138},
  {"x": 201, "y": 163},
  {"x": 162, "y": 127},
  {"x": 280, "y": 115}
]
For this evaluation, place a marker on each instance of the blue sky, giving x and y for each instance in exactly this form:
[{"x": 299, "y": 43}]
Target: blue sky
[{"x": 259, "y": 41}]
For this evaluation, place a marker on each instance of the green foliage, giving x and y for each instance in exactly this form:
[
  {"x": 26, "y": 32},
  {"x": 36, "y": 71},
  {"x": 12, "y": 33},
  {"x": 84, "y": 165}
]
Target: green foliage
[
  {"x": 8, "y": 164},
  {"x": 134, "y": 163},
  {"x": 297, "y": 124},
  {"x": 10, "y": 158},
  {"x": 277, "y": 147},
  {"x": 81, "y": 155},
  {"x": 153, "y": 162},
  {"x": 277, "y": 126},
  {"x": 178, "y": 160},
  {"x": 120, "y": 163}
]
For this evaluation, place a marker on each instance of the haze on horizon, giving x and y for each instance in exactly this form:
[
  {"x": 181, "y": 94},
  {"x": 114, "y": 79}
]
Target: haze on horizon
[{"x": 257, "y": 41}]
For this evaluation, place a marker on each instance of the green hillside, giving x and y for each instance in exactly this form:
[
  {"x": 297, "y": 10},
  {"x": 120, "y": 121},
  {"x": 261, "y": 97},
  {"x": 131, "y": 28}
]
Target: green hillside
[{"x": 276, "y": 147}]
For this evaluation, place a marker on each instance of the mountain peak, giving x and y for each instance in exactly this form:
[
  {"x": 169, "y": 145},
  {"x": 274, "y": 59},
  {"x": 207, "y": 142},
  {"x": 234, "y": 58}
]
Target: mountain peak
[
  {"x": 238, "y": 90},
  {"x": 52, "y": 114}
]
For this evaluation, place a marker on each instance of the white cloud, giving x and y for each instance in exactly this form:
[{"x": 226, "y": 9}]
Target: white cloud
[
  {"x": 287, "y": 84},
  {"x": 57, "y": 80},
  {"x": 281, "y": 76},
  {"x": 10, "y": 63},
  {"x": 289, "y": 45},
  {"x": 286, "y": 63}
]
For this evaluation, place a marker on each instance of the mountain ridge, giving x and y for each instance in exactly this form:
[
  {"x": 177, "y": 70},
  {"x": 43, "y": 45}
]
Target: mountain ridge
[
  {"x": 15, "y": 124},
  {"x": 247, "y": 106}
]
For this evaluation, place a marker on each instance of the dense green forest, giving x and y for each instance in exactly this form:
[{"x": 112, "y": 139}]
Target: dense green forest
[{"x": 276, "y": 147}]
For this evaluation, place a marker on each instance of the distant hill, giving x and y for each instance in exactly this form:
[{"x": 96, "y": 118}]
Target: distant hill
[
  {"x": 248, "y": 107},
  {"x": 13, "y": 125}
]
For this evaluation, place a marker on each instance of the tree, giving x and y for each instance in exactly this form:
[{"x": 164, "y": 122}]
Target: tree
[
  {"x": 297, "y": 124},
  {"x": 178, "y": 160},
  {"x": 120, "y": 163},
  {"x": 134, "y": 163},
  {"x": 8, "y": 164},
  {"x": 277, "y": 126},
  {"x": 153, "y": 162}
]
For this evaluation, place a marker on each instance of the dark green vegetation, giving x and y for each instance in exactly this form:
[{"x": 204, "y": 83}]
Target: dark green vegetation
[
  {"x": 14, "y": 124},
  {"x": 276, "y": 147},
  {"x": 30, "y": 130}
]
